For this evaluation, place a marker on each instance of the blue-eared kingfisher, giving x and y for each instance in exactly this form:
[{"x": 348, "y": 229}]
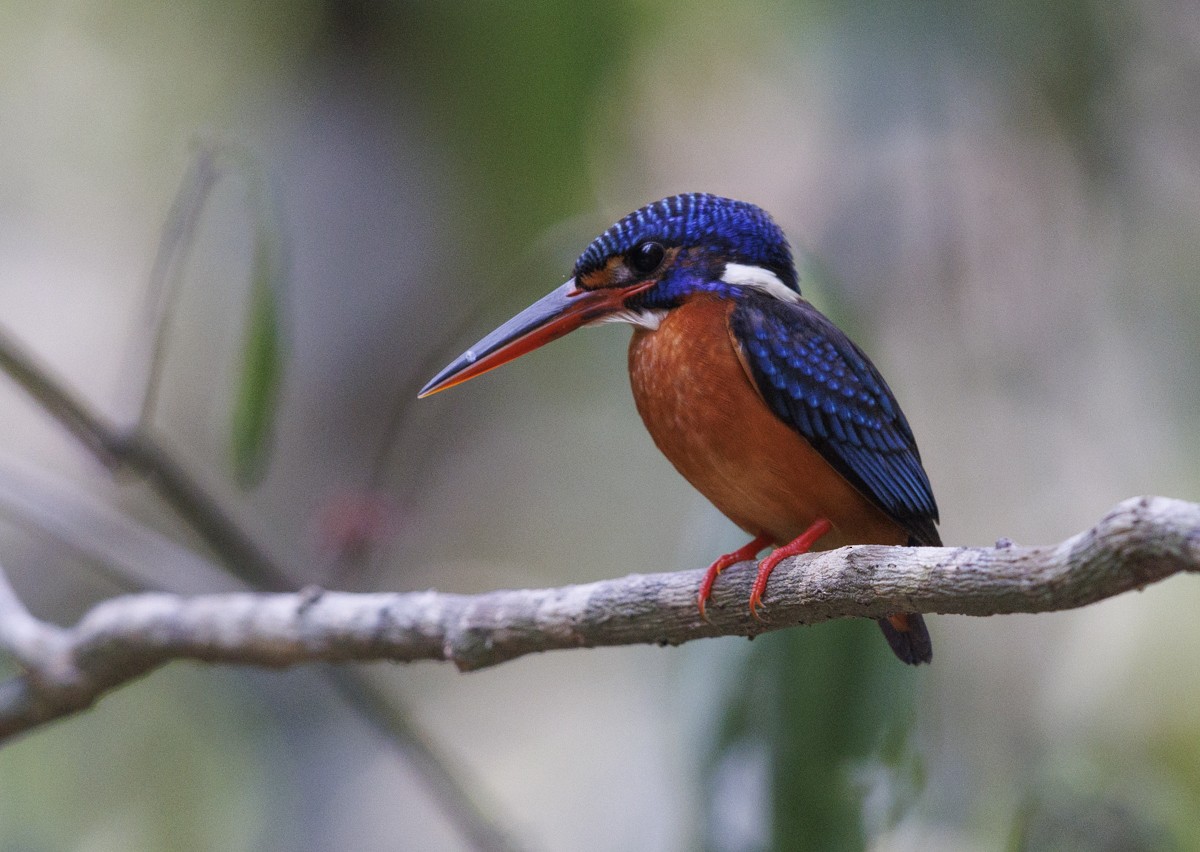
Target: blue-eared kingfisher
[{"x": 758, "y": 399}]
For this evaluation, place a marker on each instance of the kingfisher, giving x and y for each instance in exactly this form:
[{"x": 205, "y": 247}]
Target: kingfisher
[{"x": 762, "y": 403}]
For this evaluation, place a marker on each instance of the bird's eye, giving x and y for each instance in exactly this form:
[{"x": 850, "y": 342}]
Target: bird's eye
[{"x": 646, "y": 257}]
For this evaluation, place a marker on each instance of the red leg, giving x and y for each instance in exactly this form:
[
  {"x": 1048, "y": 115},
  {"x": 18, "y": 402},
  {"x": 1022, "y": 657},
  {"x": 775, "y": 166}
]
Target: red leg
[
  {"x": 742, "y": 554},
  {"x": 801, "y": 544}
]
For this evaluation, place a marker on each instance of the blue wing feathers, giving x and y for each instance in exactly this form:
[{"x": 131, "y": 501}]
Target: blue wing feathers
[{"x": 819, "y": 383}]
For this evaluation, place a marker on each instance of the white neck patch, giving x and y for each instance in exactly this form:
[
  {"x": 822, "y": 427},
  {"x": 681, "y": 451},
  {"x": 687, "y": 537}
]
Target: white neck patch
[{"x": 759, "y": 279}]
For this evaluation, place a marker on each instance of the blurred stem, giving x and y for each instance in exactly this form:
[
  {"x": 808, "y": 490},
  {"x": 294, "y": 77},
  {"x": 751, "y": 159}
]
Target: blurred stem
[
  {"x": 135, "y": 450},
  {"x": 142, "y": 371},
  {"x": 99, "y": 439}
]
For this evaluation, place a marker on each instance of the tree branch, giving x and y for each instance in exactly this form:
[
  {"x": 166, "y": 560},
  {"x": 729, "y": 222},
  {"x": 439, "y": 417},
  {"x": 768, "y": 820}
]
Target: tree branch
[
  {"x": 46, "y": 691},
  {"x": 57, "y": 684},
  {"x": 1140, "y": 541}
]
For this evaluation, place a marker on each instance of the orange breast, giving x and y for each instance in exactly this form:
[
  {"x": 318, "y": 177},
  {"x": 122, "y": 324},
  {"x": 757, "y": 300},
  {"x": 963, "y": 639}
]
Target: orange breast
[{"x": 706, "y": 417}]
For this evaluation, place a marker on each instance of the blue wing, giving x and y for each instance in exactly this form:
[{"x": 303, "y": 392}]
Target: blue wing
[{"x": 818, "y": 382}]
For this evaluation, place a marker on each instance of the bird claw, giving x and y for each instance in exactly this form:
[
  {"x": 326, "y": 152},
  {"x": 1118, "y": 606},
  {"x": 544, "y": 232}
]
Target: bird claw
[
  {"x": 742, "y": 554},
  {"x": 802, "y": 544},
  {"x": 760, "y": 585}
]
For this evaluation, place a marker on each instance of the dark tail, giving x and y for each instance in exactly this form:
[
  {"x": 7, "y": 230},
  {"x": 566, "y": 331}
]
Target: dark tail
[{"x": 908, "y": 636}]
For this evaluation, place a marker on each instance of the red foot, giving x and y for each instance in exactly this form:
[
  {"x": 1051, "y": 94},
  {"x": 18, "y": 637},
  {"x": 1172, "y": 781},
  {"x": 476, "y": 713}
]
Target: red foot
[
  {"x": 801, "y": 544},
  {"x": 742, "y": 554}
]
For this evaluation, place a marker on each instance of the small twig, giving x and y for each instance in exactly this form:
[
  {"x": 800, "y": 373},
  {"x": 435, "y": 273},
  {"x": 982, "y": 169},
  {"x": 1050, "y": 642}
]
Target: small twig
[
  {"x": 52, "y": 395},
  {"x": 1139, "y": 542}
]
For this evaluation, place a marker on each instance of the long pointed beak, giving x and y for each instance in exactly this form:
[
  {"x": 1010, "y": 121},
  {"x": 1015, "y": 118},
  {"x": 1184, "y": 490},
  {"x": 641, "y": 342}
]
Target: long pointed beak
[{"x": 549, "y": 318}]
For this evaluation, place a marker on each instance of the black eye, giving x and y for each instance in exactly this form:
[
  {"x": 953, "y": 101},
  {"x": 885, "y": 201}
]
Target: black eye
[{"x": 646, "y": 258}]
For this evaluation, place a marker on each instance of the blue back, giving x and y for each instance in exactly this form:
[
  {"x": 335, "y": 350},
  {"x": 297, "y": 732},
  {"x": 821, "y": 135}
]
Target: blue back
[{"x": 818, "y": 382}]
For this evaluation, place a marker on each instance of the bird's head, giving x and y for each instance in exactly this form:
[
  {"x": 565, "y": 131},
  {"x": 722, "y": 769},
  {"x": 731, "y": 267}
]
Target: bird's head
[{"x": 643, "y": 266}]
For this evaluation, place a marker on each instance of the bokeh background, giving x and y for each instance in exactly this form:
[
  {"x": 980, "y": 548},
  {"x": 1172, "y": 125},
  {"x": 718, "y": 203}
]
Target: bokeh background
[{"x": 1000, "y": 201}]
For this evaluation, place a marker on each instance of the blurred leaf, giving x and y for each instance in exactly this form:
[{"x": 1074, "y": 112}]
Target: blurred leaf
[{"x": 257, "y": 399}]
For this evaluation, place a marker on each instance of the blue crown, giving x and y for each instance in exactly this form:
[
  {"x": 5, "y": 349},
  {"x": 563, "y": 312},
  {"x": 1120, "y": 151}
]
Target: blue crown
[{"x": 740, "y": 231}]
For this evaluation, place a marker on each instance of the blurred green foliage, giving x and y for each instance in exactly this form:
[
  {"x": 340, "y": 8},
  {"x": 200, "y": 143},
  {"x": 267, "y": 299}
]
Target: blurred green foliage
[{"x": 256, "y": 402}]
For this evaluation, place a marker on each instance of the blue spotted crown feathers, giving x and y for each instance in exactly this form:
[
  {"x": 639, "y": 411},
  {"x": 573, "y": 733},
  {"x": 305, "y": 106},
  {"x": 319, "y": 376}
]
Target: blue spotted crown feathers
[{"x": 742, "y": 232}]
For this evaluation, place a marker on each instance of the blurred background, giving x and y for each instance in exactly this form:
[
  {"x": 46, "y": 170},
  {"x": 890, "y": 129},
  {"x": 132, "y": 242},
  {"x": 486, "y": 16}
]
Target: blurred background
[{"x": 999, "y": 201}]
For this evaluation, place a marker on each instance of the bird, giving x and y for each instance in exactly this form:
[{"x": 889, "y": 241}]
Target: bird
[{"x": 760, "y": 402}]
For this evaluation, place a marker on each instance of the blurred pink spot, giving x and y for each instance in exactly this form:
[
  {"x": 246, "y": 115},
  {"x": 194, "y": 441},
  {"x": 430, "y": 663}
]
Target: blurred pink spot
[{"x": 351, "y": 523}]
